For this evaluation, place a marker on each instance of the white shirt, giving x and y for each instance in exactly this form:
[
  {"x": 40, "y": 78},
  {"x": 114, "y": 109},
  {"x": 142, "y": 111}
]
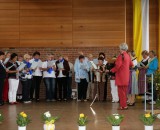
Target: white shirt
[
  {"x": 45, "y": 73},
  {"x": 37, "y": 72}
]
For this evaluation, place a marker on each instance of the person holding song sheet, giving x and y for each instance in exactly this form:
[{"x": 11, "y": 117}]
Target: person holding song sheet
[
  {"x": 3, "y": 71},
  {"x": 90, "y": 89},
  {"x": 132, "y": 87},
  {"x": 69, "y": 78},
  {"x": 81, "y": 69},
  {"x": 111, "y": 76},
  {"x": 62, "y": 71},
  {"x": 152, "y": 67},
  {"x": 26, "y": 78},
  {"x": 100, "y": 78},
  {"x": 142, "y": 72},
  {"x": 37, "y": 75},
  {"x": 49, "y": 76},
  {"x": 13, "y": 78},
  {"x": 19, "y": 91}
]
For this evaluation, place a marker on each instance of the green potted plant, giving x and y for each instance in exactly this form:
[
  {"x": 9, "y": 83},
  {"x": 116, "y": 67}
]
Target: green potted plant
[
  {"x": 115, "y": 120},
  {"x": 22, "y": 121},
  {"x": 82, "y": 122},
  {"x": 148, "y": 120}
]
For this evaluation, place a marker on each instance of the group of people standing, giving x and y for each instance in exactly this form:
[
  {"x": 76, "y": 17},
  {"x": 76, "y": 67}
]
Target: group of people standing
[
  {"x": 91, "y": 76},
  {"x": 23, "y": 75}
]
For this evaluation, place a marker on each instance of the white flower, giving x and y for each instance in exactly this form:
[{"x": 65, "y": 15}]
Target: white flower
[
  {"x": 0, "y": 114},
  {"x": 47, "y": 114},
  {"x": 115, "y": 114},
  {"x": 116, "y": 117},
  {"x": 158, "y": 116}
]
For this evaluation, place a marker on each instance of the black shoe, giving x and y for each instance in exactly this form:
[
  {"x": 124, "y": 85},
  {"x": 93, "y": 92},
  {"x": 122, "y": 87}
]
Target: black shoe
[
  {"x": 59, "y": 99},
  {"x": 65, "y": 100},
  {"x": 37, "y": 100},
  {"x": 1, "y": 104}
]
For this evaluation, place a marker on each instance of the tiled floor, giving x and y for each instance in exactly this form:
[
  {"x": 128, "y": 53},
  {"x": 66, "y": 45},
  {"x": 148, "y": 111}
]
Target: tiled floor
[{"x": 69, "y": 111}]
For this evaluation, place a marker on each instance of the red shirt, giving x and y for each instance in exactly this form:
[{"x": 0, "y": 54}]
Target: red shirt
[{"x": 122, "y": 65}]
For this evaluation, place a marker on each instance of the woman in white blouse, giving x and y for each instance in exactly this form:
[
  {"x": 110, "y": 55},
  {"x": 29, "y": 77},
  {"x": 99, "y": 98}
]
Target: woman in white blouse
[{"x": 49, "y": 77}]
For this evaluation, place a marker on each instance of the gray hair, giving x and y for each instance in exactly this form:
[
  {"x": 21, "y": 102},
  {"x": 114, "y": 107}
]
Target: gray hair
[{"x": 123, "y": 46}]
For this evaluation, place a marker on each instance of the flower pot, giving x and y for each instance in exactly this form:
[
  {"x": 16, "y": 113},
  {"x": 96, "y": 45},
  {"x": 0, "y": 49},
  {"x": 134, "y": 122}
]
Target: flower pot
[
  {"x": 115, "y": 127},
  {"x": 148, "y": 127},
  {"x": 21, "y": 127},
  {"x": 49, "y": 126},
  {"x": 82, "y": 128}
]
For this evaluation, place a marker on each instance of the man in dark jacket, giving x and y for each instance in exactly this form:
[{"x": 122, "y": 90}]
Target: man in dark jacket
[{"x": 2, "y": 76}]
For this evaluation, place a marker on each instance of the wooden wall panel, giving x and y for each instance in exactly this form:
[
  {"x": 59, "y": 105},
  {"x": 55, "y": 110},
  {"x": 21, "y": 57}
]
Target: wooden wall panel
[
  {"x": 45, "y": 43},
  {"x": 9, "y": 23},
  {"x": 9, "y": 6},
  {"x": 129, "y": 24},
  {"x": 45, "y": 20},
  {"x": 70, "y": 23},
  {"x": 153, "y": 25},
  {"x": 59, "y": 12}
]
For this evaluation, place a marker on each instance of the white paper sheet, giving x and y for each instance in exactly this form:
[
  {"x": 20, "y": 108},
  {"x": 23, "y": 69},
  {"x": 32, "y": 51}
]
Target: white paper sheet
[
  {"x": 6, "y": 60},
  {"x": 60, "y": 66},
  {"x": 50, "y": 63},
  {"x": 94, "y": 65},
  {"x": 21, "y": 67},
  {"x": 34, "y": 65}
]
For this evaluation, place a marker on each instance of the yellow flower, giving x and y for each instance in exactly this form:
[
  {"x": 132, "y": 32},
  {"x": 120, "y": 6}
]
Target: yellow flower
[
  {"x": 81, "y": 115},
  {"x": 147, "y": 115},
  {"x": 21, "y": 113},
  {"x": 24, "y": 115}
]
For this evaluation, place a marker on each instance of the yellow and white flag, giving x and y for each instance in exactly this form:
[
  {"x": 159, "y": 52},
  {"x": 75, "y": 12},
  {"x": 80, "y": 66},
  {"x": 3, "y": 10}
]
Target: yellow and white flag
[{"x": 140, "y": 26}]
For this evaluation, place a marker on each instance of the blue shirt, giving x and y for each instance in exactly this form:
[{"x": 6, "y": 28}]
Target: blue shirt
[
  {"x": 81, "y": 71},
  {"x": 153, "y": 66}
]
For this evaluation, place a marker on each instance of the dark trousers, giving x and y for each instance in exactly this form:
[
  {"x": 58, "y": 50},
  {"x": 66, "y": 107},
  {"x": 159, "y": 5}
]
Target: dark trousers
[
  {"x": 50, "y": 88},
  {"x": 1, "y": 89},
  {"x": 69, "y": 87},
  {"x": 35, "y": 87},
  {"x": 26, "y": 85},
  {"x": 62, "y": 87},
  {"x": 82, "y": 89},
  {"x": 105, "y": 89}
]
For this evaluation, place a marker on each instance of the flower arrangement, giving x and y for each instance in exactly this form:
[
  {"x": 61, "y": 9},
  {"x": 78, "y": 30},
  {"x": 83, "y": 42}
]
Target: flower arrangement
[
  {"x": 47, "y": 118},
  {"x": 82, "y": 120},
  {"x": 115, "y": 119},
  {"x": 23, "y": 119},
  {"x": 148, "y": 119},
  {"x": 1, "y": 118}
]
